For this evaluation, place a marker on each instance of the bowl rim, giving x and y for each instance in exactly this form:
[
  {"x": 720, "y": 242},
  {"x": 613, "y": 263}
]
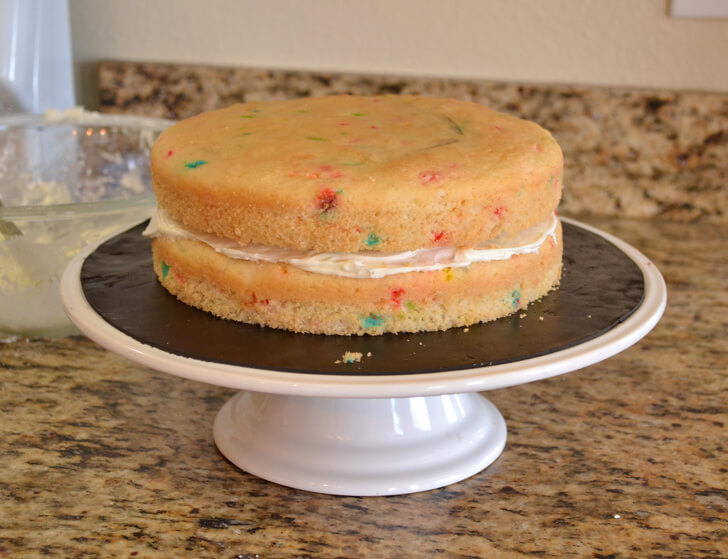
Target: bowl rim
[
  {"x": 85, "y": 118},
  {"x": 70, "y": 211},
  {"x": 81, "y": 118}
]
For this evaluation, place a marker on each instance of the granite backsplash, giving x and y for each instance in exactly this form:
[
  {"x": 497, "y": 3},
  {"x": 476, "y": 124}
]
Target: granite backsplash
[{"x": 628, "y": 152}]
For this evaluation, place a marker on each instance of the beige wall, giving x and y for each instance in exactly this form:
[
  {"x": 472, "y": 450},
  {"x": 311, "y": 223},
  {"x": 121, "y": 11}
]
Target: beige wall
[{"x": 597, "y": 42}]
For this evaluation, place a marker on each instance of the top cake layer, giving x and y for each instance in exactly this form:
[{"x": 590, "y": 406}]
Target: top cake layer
[{"x": 344, "y": 173}]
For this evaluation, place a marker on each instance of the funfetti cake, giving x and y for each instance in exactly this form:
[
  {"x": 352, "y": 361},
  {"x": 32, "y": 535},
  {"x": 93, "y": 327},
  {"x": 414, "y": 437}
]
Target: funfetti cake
[{"x": 357, "y": 215}]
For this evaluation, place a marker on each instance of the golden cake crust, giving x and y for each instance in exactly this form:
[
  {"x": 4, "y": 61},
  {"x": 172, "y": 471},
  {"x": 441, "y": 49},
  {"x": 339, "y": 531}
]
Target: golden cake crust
[
  {"x": 283, "y": 296},
  {"x": 345, "y": 173}
]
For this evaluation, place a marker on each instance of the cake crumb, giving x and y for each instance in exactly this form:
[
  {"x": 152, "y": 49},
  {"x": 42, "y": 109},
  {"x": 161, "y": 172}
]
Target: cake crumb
[
  {"x": 369, "y": 353},
  {"x": 524, "y": 315},
  {"x": 466, "y": 330},
  {"x": 351, "y": 357},
  {"x": 540, "y": 318},
  {"x": 588, "y": 316}
]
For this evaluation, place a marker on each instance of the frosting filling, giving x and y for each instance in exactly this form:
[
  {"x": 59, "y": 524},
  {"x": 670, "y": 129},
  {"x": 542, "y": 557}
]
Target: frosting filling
[{"x": 365, "y": 264}]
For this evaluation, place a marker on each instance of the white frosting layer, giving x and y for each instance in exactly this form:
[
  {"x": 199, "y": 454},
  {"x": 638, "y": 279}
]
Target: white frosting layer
[{"x": 366, "y": 264}]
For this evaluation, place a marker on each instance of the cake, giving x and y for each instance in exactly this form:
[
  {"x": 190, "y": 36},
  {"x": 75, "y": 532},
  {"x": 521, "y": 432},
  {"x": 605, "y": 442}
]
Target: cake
[{"x": 357, "y": 215}]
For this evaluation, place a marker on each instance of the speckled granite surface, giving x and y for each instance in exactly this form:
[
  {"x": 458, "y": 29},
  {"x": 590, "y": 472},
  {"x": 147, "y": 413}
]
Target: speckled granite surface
[
  {"x": 631, "y": 153},
  {"x": 627, "y": 458}
]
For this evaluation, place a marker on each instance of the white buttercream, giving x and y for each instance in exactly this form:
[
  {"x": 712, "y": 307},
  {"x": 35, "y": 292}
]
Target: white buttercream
[{"x": 368, "y": 263}]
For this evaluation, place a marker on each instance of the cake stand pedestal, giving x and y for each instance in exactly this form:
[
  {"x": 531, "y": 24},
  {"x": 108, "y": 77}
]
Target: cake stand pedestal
[
  {"x": 356, "y": 446},
  {"x": 409, "y": 416}
]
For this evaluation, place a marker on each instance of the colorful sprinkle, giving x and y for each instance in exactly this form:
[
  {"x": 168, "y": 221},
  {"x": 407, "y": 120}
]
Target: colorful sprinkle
[
  {"x": 253, "y": 300},
  {"x": 195, "y": 164},
  {"x": 455, "y": 126},
  {"x": 410, "y": 306},
  {"x": 448, "y": 273},
  {"x": 358, "y": 114},
  {"x": 440, "y": 237},
  {"x": 396, "y": 298},
  {"x": 427, "y": 177},
  {"x": 500, "y": 211},
  {"x": 247, "y": 116},
  {"x": 372, "y": 321},
  {"x": 516, "y": 298},
  {"x": 327, "y": 200},
  {"x": 373, "y": 239},
  {"x": 165, "y": 270},
  {"x": 170, "y": 152},
  {"x": 316, "y": 138}
]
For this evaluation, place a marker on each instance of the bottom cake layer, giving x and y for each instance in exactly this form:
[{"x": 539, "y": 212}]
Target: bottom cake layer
[{"x": 283, "y": 296}]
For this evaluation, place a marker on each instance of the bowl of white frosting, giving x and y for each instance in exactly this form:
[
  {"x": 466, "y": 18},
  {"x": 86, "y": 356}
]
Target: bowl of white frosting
[{"x": 67, "y": 179}]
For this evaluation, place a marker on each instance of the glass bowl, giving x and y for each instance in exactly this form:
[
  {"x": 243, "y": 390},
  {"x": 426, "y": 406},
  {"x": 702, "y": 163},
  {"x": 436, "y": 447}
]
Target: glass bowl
[{"x": 66, "y": 180}]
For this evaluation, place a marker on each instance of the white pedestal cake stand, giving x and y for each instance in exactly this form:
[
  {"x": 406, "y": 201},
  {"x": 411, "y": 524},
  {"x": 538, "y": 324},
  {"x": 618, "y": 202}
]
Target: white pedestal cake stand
[{"x": 367, "y": 435}]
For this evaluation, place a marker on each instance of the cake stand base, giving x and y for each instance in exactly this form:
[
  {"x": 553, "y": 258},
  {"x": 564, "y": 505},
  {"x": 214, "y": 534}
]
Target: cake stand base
[{"x": 360, "y": 446}]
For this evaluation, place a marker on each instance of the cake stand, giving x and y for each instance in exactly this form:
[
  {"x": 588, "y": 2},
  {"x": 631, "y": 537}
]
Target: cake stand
[{"x": 408, "y": 415}]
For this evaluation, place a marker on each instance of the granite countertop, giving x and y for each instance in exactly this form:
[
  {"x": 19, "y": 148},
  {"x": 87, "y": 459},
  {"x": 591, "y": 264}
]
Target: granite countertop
[{"x": 626, "y": 458}]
